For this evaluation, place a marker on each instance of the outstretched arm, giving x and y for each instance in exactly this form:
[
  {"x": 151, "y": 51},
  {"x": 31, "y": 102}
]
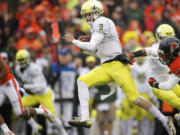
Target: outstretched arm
[
  {"x": 153, "y": 50},
  {"x": 139, "y": 53},
  {"x": 167, "y": 85}
]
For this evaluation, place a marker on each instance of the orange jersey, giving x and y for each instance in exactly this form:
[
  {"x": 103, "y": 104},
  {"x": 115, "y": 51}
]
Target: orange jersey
[
  {"x": 8, "y": 76},
  {"x": 175, "y": 66}
]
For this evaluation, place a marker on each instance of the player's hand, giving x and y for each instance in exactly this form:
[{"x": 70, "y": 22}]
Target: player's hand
[
  {"x": 84, "y": 38},
  {"x": 131, "y": 58},
  {"x": 152, "y": 81},
  {"x": 68, "y": 37}
]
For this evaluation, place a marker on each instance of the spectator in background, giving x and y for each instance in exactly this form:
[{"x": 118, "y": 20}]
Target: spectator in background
[
  {"x": 11, "y": 48},
  {"x": 135, "y": 26},
  {"x": 109, "y": 5},
  {"x": 166, "y": 19},
  {"x": 125, "y": 4},
  {"x": 149, "y": 38},
  {"x": 5, "y": 36},
  {"x": 1, "y": 16},
  {"x": 29, "y": 41},
  {"x": 175, "y": 12},
  {"x": 118, "y": 18},
  {"x": 150, "y": 20},
  {"x": 76, "y": 10},
  {"x": 21, "y": 9},
  {"x": 156, "y": 6},
  {"x": 130, "y": 40},
  {"x": 26, "y": 19},
  {"x": 7, "y": 24},
  {"x": 78, "y": 63},
  {"x": 105, "y": 109},
  {"x": 135, "y": 13}
]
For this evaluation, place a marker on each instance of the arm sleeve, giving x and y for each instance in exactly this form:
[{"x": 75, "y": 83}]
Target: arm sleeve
[
  {"x": 96, "y": 39},
  {"x": 170, "y": 83},
  {"x": 152, "y": 51}
]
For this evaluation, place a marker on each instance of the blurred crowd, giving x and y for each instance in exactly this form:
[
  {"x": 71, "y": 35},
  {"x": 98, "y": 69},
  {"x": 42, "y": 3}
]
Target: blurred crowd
[{"x": 39, "y": 25}]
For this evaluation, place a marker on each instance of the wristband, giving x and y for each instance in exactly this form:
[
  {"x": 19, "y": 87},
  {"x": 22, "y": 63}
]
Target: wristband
[{"x": 156, "y": 85}]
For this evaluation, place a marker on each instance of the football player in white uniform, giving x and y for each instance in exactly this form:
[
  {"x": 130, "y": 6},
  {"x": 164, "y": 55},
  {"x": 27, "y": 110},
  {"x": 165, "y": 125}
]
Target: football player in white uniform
[
  {"x": 159, "y": 70},
  {"x": 105, "y": 44},
  {"x": 35, "y": 86},
  {"x": 9, "y": 88}
]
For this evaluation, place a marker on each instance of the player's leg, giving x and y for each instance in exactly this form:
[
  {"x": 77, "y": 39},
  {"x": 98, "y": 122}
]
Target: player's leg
[
  {"x": 13, "y": 95},
  {"x": 111, "y": 118},
  {"x": 122, "y": 76},
  {"x": 3, "y": 125},
  {"x": 28, "y": 101},
  {"x": 176, "y": 90},
  {"x": 167, "y": 96},
  {"x": 48, "y": 101},
  {"x": 95, "y": 77}
]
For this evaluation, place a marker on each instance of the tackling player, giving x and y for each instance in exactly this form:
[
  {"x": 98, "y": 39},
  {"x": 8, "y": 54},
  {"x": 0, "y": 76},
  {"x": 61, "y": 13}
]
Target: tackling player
[
  {"x": 159, "y": 70},
  {"x": 10, "y": 88},
  {"x": 169, "y": 54},
  {"x": 35, "y": 86},
  {"x": 105, "y": 44}
]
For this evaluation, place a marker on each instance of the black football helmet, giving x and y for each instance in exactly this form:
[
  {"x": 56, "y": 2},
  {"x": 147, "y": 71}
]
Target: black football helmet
[{"x": 169, "y": 49}]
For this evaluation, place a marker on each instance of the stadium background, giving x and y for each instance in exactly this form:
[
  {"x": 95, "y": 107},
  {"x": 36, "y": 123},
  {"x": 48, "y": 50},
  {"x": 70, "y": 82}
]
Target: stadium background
[{"x": 39, "y": 25}]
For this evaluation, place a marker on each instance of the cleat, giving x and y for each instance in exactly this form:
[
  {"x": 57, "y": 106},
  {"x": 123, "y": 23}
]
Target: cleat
[
  {"x": 169, "y": 126},
  {"x": 47, "y": 113},
  {"x": 78, "y": 122}
]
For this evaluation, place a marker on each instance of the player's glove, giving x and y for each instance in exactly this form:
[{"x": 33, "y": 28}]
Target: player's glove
[
  {"x": 131, "y": 58},
  {"x": 153, "y": 83}
]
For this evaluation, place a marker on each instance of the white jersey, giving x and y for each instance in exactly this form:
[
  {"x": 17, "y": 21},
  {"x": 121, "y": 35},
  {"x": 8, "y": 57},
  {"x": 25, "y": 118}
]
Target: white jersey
[
  {"x": 42, "y": 62},
  {"x": 157, "y": 69},
  {"x": 33, "y": 78},
  {"x": 104, "y": 40}
]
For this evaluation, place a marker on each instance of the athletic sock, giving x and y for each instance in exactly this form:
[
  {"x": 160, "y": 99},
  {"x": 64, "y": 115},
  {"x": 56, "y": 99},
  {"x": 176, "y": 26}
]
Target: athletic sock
[
  {"x": 32, "y": 123},
  {"x": 5, "y": 128},
  {"x": 83, "y": 94},
  {"x": 154, "y": 111}
]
